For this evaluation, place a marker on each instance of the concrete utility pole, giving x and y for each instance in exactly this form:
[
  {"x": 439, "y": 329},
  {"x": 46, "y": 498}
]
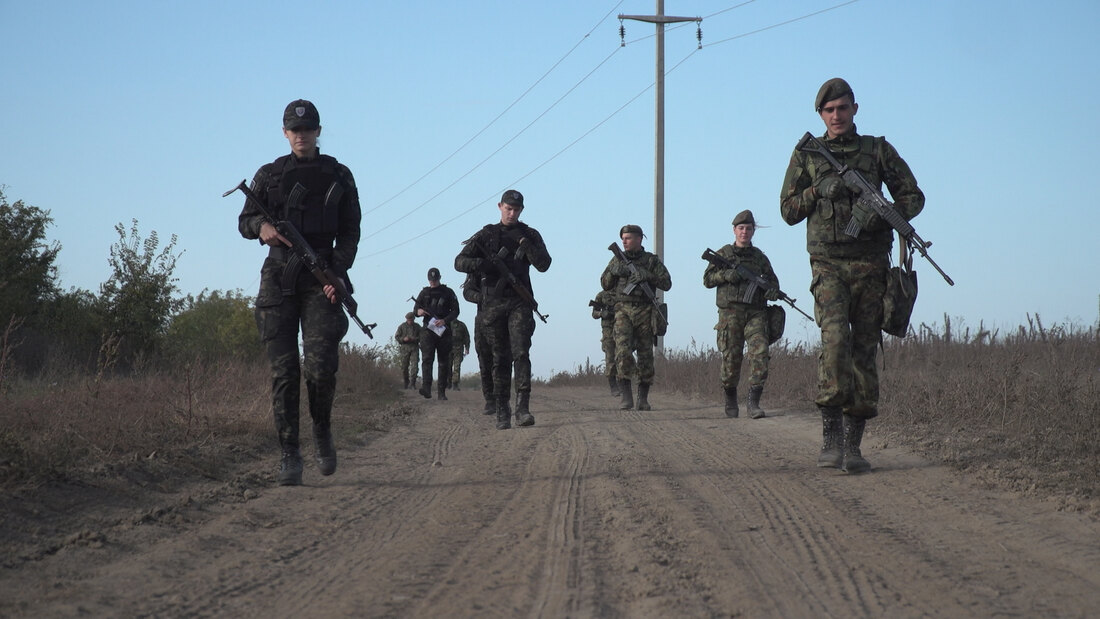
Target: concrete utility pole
[{"x": 660, "y": 19}]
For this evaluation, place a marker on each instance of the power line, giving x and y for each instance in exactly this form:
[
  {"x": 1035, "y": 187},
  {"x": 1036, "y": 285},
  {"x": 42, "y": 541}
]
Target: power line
[
  {"x": 498, "y": 116},
  {"x": 784, "y": 23}
]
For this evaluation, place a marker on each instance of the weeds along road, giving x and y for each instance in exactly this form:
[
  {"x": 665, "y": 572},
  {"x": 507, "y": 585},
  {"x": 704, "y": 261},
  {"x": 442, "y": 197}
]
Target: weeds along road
[{"x": 593, "y": 512}]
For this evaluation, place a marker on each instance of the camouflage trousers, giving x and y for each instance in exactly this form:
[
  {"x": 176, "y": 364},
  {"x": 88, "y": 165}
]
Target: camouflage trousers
[
  {"x": 430, "y": 346},
  {"x": 408, "y": 357},
  {"x": 456, "y": 364},
  {"x": 484, "y": 352},
  {"x": 323, "y": 325},
  {"x": 848, "y": 307},
  {"x": 737, "y": 326},
  {"x": 607, "y": 343},
  {"x": 634, "y": 334},
  {"x": 507, "y": 324}
]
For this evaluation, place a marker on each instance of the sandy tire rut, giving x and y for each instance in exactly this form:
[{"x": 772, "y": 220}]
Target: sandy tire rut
[{"x": 593, "y": 512}]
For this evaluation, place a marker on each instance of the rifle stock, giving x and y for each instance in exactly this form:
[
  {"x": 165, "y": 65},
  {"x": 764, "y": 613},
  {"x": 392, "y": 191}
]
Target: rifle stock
[
  {"x": 309, "y": 258},
  {"x": 870, "y": 201}
]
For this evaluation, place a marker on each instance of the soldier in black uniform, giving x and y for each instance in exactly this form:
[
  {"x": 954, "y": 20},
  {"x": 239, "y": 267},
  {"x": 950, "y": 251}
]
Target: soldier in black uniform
[
  {"x": 439, "y": 307},
  {"x": 317, "y": 195}
]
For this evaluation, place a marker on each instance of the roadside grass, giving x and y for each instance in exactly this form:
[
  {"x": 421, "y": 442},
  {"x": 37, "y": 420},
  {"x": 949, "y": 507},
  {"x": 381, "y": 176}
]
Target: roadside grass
[{"x": 1019, "y": 411}]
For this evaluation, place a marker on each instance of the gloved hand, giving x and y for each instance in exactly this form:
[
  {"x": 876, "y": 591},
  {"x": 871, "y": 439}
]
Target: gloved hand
[
  {"x": 619, "y": 268},
  {"x": 731, "y": 276},
  {"x": 830, "y": 187},
  {"x": 771, "y": 294},
  {"x": 639, "y": 276}
]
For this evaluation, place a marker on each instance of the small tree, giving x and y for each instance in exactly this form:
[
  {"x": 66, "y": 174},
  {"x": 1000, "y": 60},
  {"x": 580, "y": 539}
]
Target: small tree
[
  {"x": 213, "y": 326},
  {"x": 139, "y": 297},
  {"x": 27, "y": 271}
]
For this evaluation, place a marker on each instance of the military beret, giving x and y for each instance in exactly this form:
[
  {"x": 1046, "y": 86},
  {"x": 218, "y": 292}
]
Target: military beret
[
  {"x": 410, "y": 315},
  {"x": 832, "y": 89},
  {"x": 631, "y": 229},
  {"x": 301, "y": 114},
  {"x": 744, "y": 217}
]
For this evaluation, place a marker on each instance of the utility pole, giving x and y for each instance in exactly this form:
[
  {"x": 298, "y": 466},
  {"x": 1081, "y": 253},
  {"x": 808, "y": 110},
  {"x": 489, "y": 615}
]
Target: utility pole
[{"x": 660, "y": 19}]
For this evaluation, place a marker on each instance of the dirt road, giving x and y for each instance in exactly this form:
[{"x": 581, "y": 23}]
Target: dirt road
[{"x": 593, "y": 512}]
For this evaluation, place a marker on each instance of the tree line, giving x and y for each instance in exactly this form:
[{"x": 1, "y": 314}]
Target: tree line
[{"x": 138, "y": 317}]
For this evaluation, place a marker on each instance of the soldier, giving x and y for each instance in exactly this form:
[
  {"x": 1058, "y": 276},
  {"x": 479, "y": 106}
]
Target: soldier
[
  {"x": 408, "y": 349},
  {"x": 503, "y": 314},
  {"x": 740, "y": 322},
  {"x": 439, "y": 306},
  {"x": 460, "y": 348},
  {"x": 327, "y": 215},
  {"x": 603, "y": 309},
  {"x": 634, "y": 313},
  {"x": 471, "y": 291},
  {"x": 849, "y": 273}
]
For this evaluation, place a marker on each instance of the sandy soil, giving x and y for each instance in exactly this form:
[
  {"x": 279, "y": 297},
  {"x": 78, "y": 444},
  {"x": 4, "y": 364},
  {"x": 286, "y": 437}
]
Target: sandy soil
[{"x": 593, "y": 512}]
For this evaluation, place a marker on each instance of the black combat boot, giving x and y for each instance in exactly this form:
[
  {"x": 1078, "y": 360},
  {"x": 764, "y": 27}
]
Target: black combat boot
[
  {"x": 524, "y": 417},
  {"x": 290, "y": 467},
  {"x": 731, "y": 402},
  {"x": 441, "y": 392},
  {"x": 627, "y": 402},
  {"x": 490, "y": 405},
  {"x": 854, "y": 461},
  {"x": 614, "y": 384},
  {"x": 832, "y": 433},
  {"x": 426, "y": 388},
  {"x": 504, "y": 413},
  {"x": 454, "y": 386},
  {"x": 755, "y": 412},
  {"x": 326, "y": 450},
  {"x": 643, "y": 397},
  {"x": 406, "y": 384}
]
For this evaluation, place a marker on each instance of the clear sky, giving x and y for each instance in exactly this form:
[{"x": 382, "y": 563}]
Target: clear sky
[{"x": 120, "y": 110}]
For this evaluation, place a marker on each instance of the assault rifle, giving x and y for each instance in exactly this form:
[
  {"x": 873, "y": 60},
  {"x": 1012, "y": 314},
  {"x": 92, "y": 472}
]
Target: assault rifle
[
  {"x": 646, "y": 288},
  {"x": 497, "y": 260},
  {"x": 599, "y": 307},
  {"x": 756, "y": 281},
  {"x": 305, "y": 253},
  {"x": 871, "y": 201}
]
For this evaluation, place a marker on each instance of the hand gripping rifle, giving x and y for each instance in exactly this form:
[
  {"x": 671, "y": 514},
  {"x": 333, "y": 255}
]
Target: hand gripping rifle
[
  {"x": 870, "y": 201},
  {"x": 646, "y": 288},
  {"x": 756, "y": 281},
  {"x": 497, "y": 260},
  {"x": 309, "y": 258}
]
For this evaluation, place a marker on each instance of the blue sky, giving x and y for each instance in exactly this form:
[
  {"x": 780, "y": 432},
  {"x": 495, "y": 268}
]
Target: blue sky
[{"x": 150, "y": 110}]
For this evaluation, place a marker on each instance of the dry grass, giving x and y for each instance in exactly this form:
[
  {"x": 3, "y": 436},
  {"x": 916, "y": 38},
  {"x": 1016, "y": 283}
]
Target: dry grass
[
  {"x": 1019, "y": 411},
  {"x": 195, "y": 420}
]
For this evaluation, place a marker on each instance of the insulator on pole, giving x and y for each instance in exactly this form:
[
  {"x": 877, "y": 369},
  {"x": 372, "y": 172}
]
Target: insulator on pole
[
  {"x": 622, "y": 34},
  {"x": 699, "y": 36}
]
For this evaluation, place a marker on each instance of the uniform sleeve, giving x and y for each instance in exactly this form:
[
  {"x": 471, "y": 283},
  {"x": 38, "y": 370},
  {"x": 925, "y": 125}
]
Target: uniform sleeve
[
  {"x": 347, "y": 237},
  {"x": 797, "y": 199},
  {"x": 469, "y": 258},
  {"x": 899, "y": 179},
  {"x": 452, "y": 300},
  {"x": 660, "y": 277},
  {"x": 608, "y": 281},
  {"x": 536, "y": 251},
  {"x": 250, "y": 219},
  {"x": 769, "y": 272}
]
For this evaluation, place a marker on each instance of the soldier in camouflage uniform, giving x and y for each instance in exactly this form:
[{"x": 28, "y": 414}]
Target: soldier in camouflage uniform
[
  {"x": 471, "y": 291},
  {"x": 408, "y": 349},
  {"x": 634, "y": 314},
  {"x": 327, "y": 216},
  {"x": 849, "y": 274},
  {"x": 506, "y": 318},
  {"x": 604, "y": 311},
  {"x": 459, "y": 349},
  {"x": 438, "y": 304},
  {"x": 740, "y": 322}
]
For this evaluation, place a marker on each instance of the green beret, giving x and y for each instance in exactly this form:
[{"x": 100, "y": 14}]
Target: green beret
[
  {"x": 832, "y": 89},
  {"x": 631, "y": 229},
  {"x": 744, "y": 217}
]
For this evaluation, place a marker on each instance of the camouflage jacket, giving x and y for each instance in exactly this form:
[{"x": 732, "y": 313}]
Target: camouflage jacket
[
  {"x": 656, "y": 275},
  {"x": 731, "y": 287},
  {"x": 409, "y": 330},
  {"x": 879, "y": 163}
]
